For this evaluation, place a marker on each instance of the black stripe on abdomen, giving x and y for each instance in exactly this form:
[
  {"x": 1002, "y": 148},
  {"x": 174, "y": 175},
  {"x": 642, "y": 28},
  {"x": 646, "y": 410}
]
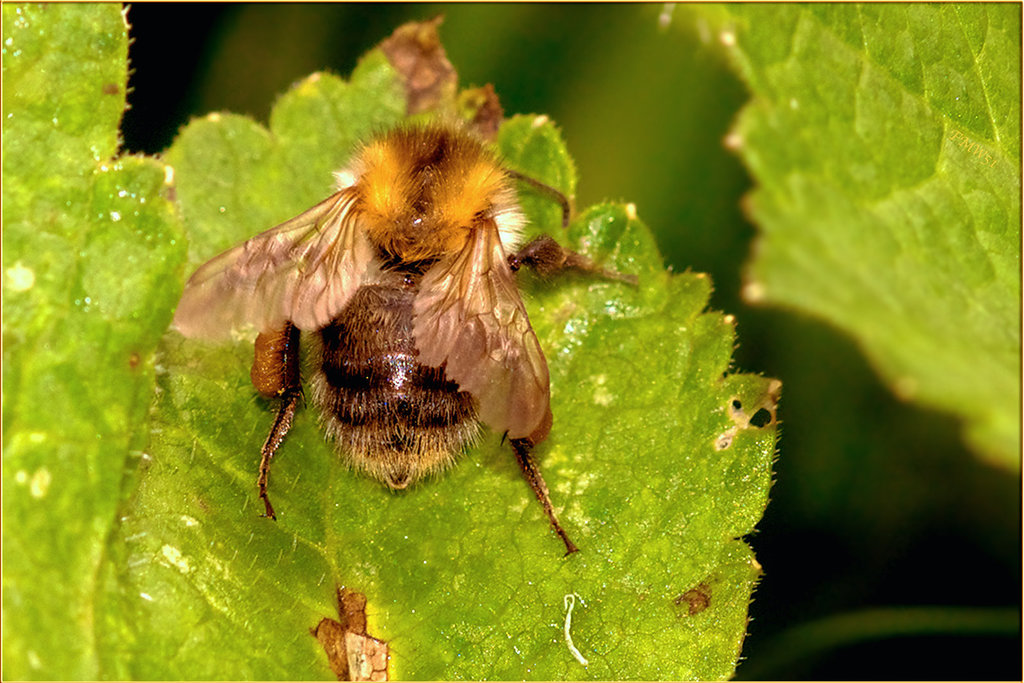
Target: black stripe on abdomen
[{"x": 391, "y": 390}]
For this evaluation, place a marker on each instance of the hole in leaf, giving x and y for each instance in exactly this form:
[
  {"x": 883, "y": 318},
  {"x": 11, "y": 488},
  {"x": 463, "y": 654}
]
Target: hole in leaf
[{"x": 762, "y": 418}]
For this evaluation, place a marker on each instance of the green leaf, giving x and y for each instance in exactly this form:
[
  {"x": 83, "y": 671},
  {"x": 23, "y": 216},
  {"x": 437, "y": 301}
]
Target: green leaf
[
  {"x": 885, "y": 140},
  {"x": 92, "y": 257},
  {"x": 654, "y": 463}
]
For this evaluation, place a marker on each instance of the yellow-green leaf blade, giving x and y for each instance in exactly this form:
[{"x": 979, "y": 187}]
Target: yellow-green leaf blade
[{"x": 655, "y": 471}]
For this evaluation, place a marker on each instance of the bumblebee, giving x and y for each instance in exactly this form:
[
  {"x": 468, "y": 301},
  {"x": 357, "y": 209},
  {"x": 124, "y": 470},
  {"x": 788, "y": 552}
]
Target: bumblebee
[{"x": 404, "y": 283}]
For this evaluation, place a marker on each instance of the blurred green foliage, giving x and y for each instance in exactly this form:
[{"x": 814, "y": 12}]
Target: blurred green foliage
[{"x": 888, "y": 195}]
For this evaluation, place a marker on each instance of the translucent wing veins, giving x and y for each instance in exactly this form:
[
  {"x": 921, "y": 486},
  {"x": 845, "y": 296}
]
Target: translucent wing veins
[
  {"x": 470, "y": 317},
  {"x": 304, "y": 270}
]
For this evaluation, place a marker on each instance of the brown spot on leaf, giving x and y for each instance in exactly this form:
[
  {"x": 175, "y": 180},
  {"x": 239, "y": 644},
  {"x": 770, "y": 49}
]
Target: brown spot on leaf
[
  {"x": 697, "y": 599},
  {"x": 352, "y": 653},
  {"x": 415, "y": 50},
  {"x": 352, "y": 610},
  {"x": 134, "y": 359},
  {"x": 111, "y": 89},
  {"x": 331, "y": 635},
  {"x": 483, "y": 110}
]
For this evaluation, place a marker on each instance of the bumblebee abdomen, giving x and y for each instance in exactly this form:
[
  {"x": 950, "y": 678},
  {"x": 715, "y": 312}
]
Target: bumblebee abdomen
[{"x": 389, "y": 415}]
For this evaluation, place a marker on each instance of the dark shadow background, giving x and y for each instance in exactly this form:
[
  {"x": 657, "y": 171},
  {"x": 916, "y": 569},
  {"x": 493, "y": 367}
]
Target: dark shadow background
[{"x": 877, "y": 504}]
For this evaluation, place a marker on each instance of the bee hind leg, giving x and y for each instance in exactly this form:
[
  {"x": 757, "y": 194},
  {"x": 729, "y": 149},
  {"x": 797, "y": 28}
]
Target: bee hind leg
[
  {"x": 282, "y": 423},
  {"x": 275, "y": 374},
  {"x": 523, "y": 449}
]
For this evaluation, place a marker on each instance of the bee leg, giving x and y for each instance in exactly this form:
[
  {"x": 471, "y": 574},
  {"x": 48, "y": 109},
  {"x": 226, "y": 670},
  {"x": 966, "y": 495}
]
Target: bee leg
[
  {"x": 275, "y": 374},
  {"x": 552, "y": 192},
  {"x": 282, "y": 423},
  {"x": 522, "y": 449},
  {"x": 546, "y": 256}
]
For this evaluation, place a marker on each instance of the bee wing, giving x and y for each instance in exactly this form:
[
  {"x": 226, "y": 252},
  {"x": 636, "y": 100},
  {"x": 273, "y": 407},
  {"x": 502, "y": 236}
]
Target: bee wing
[
  {"x": 304, "y": 270},
  {"x": 469, "y": 315}
]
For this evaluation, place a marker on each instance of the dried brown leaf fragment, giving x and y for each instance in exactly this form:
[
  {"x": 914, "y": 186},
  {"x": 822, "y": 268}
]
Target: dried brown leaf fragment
[
  {"x": 416, "y": 52},
  {"x": 352, "y": 653}
]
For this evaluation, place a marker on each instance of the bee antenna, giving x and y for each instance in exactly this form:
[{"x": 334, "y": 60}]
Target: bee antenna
[{"x": 553, "y": 192}]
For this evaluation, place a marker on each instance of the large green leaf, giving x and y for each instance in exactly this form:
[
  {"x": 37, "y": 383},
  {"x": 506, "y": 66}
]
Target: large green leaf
[
  {"x": 653, "y": 460},
  {"x": 92, "y": 258},
  {"x": 135, "y": 556},
  {"x": 885, "y": 140}
]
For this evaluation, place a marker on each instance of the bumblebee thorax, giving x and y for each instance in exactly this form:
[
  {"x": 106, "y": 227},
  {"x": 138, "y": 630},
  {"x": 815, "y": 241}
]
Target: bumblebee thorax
[{"x": 423, "y": 191}]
